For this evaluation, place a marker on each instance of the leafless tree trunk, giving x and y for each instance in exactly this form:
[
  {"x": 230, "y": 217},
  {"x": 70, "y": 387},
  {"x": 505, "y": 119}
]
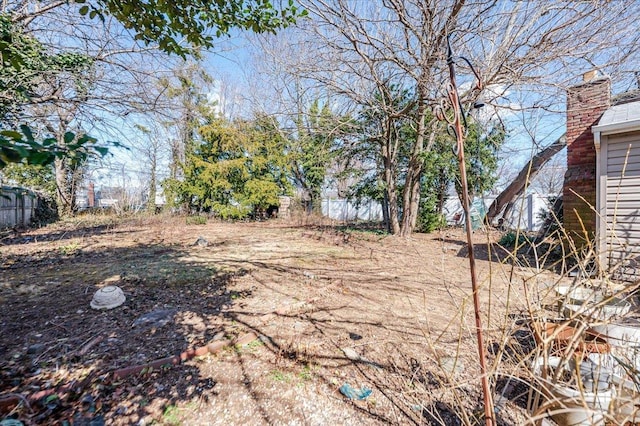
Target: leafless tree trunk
[
  {"x": 524, "y": 47},
  {"x": 526, "y": 175},
  {"x": 151, "y": 149},
  {"x": 117, "y": 81},
  {"x": 411, "y": 196},
  {"x": 68, "y": 178},
  {"x": 389, "y": 156},
  {"x": 186, "y": 90}
]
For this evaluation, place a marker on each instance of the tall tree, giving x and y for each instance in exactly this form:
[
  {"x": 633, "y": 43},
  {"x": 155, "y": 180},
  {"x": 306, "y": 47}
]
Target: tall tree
[
  {"x": 525, "y": 46},
  {"x": 100, "y": 60},
  {"x": 118, "y": 81},
  {"x": 312, "y": 150},
  {"x": 27, "y": 66},
  {"x": 187, "y": 90},
  {"x": 236, "y": 169},
  {"x": 391, "y": 137},
  {"x": 308, "y": 117},
  {"x": 151, "y": 149}
]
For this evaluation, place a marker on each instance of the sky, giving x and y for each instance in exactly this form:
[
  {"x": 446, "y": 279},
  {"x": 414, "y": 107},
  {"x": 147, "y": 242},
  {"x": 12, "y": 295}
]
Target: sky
[{"x": 230, "y": 66}]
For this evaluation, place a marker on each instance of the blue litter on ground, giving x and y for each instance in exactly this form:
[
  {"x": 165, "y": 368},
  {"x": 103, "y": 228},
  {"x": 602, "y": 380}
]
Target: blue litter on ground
[
  {"x": 11, "y": 422},
  {"x": 352, "y": 393}
]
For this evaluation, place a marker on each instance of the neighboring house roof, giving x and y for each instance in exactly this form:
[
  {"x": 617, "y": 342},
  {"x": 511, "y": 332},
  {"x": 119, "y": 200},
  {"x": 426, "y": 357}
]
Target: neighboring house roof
[
  {"x": 618, "y": 119},
  {"x": 623, "y": 98}
]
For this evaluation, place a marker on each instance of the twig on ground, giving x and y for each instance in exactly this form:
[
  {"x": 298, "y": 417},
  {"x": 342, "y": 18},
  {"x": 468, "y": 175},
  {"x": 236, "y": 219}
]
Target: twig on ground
[
  {"x": 59, "y": 326},
  {"x": 86, "y": 347},
  {"x": 12, "y": 396}
]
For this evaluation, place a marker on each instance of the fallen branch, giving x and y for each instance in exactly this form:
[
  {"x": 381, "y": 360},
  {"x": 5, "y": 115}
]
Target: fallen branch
[
  {"x": 520, "y": 183},
  {"x": 86, "y": 348}
]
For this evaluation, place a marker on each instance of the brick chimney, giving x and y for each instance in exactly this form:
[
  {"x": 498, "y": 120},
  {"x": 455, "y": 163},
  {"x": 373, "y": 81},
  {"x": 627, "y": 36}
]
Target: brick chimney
[
  {"x": 586, "y": 103},
  {"x": 91, "y": 196}
]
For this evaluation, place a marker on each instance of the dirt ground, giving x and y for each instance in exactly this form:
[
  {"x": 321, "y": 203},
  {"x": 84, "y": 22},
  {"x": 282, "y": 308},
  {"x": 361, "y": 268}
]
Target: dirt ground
[{"x": 331, "y": 306}]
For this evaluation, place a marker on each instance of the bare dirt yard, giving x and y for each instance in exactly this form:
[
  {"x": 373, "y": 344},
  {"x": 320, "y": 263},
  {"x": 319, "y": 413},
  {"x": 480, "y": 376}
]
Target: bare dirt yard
[{"x": 329, "y": 307}]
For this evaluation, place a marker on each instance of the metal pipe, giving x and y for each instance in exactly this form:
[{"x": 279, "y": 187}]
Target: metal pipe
[{"x": 455, "y": 102}]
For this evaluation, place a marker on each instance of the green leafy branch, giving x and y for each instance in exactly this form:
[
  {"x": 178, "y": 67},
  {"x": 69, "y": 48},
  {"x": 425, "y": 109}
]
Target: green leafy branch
[
  {"x": 179, "y": 25},
  {"x": 21, "y": 146}
]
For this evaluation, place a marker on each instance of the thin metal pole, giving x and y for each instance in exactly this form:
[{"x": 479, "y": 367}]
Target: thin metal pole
[{"x": 453, "y": 97}]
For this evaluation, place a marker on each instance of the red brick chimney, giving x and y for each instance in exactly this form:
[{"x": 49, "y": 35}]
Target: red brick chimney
[
  {"x": 91, "y": 196},
  {"x": 586, "y": 103}
]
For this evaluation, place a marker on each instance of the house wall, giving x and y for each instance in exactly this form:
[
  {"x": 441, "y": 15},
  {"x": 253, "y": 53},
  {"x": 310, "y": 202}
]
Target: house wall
[
  {"x": 620, "y": 204},
  {"x": 585, "y": 105}
]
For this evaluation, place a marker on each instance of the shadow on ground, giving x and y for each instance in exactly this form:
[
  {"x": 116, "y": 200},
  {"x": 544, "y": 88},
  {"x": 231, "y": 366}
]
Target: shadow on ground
[
  {"x": 336, "y": 309},
  {"x": 23, "y": 236},
  {"x": 52, "y": 340},
  {"x": 531, "y": 255}
]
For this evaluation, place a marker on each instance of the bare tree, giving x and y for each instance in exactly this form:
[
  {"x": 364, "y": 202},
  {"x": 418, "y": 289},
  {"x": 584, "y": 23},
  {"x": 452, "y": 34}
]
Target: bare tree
[
  {"x": 152, "y": 148},
  {"x": 309, "y": 117},
  {"x": 187, "y": 90},
  {"x": 109, "y": 77},
  {"x": 536, "y": 46},
  {"x": 379, "y": 49}
]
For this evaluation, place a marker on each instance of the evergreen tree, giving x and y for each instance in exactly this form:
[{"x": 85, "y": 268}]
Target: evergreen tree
[
  {"x": 387, "y": 146},
  {"x": 442, "y": 173},
  {"x": 236, "y": 170},
  {"x": 313, "y": 150}
]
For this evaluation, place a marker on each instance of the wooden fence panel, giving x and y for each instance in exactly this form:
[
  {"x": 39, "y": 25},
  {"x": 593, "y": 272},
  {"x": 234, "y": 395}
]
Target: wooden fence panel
[{"x": 17, "y": 206}]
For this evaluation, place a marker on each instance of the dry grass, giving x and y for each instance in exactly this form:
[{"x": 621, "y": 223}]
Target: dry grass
[{"x": 331, "y": 305}]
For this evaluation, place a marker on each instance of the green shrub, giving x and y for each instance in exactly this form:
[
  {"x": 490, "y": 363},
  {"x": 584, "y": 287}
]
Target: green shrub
[
  {"x": 509, "y": 239},
  {"x": 430, "y": 221},
  {"x": 231, "y": 212}
]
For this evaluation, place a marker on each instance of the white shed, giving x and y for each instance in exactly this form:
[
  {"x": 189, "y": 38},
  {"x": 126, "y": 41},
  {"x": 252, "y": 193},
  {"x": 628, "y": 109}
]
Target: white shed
[{"x": 617, "y": 142}]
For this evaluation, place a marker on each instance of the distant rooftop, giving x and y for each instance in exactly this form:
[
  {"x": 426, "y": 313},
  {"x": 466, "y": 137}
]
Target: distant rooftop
[{"x": 626, "y": 97}]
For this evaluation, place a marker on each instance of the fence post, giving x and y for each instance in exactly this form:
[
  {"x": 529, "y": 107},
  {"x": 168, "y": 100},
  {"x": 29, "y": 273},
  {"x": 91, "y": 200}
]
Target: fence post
[{"x": 23, "y": 211}]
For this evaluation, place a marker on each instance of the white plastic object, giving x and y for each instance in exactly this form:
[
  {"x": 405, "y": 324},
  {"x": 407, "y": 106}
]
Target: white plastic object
[{"x": 108, "y": 297}]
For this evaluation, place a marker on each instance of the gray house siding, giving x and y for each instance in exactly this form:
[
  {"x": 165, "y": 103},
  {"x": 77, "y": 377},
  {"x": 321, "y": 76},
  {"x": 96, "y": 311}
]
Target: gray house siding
[{"x": 620, "y": 203}]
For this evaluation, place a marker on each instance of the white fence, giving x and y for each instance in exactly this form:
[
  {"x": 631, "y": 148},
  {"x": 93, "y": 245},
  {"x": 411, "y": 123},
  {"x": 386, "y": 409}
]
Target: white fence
[
  {"x": 17, "y": 206},
  {"x": 346, "y": 210},
  {"x": 525, "y": 213}
]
